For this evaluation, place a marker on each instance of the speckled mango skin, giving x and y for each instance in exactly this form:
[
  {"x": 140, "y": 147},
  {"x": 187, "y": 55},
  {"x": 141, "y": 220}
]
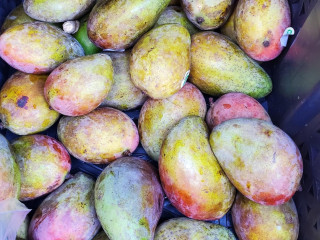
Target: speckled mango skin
[
  {"x": 219, "y": 66},
  {"x": 23, "y": 108},
  {"x": 80, "y": 85},
  {"x": 189, "y": 229},
  {"x": 207, "y": 15},
  {"x": 43, "y": 163},
  {"x": 259, "y": 25},
  {"x": 261, "y": 160},
  {"x": 253, "y": 221},
  {"x": 134, "y": 179},
  {"x": 67, "y": 213},
  {"x": 160, "y": 61},
  {"x": 227, "y": 29},
  {"x": 175, "y": 14},
  {"x": 157, "y": 117},
  {"x": 37, "y": 47},
  {"x": 234, "y": 105},
  {"x": 16, "y": 16},
  {"x": 101, "y": 236},
  {"x": 200, "y": 189},
  {"x": 9, "y": 172},
  {"x": 117, "y": 24},
  {"x": 123, "y": 94},
  {"x": 99, "y": 137},
  {"x": 57, "y": 10}
]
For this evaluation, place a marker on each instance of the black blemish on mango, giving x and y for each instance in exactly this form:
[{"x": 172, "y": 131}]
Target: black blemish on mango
[
  {"x": 266, "y": 43},
  {"x": 199, "y": 20},
  {"x": 22, "y": 101}
]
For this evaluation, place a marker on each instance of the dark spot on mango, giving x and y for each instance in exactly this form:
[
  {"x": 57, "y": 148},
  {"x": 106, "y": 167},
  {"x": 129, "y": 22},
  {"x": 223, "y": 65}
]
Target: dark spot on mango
[
  {"x": 239, "y": 163},
  {"x": 267, "y": 132},
  {"x": 144, "y": 222},
  {"x": 112, "y": 173},
  {"x": 199, "y": 20},
  {"x": 22, "y": 101},
  {"x": 236, "y": 125},
  {"x": 248, "y": 185},
  {"x": 226, "y": 106},
  {"x": 126, "y": 153},
  {"x": 266, "y": 44}
]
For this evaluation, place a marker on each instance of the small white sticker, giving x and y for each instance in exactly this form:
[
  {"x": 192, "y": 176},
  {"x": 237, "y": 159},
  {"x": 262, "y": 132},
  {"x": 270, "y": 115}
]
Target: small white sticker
[
  {"x": 185, "y": 78},
  {"x": 285, "y": 36}
]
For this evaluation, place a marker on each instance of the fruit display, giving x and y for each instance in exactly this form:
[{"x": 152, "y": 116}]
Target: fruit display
[{"x": 140, "y": 125}]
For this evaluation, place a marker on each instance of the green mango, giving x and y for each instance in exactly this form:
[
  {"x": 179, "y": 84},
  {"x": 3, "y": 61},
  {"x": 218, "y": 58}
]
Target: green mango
[
  {"x": 22, "y": 233},
  {"x": 117, "y": 24},
  {"x": 101, "y": 236},
  {"x": 219, "y": 66}
]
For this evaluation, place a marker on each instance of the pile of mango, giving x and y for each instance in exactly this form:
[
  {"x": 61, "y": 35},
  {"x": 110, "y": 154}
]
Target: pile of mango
[{"x": 110, "y": 56}]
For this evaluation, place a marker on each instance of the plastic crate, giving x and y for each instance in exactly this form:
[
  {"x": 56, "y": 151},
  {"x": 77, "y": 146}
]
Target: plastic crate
[{"x": 294, "y": 106}]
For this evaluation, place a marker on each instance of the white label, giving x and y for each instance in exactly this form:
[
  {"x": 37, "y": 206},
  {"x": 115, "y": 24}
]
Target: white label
[
  {"x": 285, "y": 36},
  {"x": 185, "y": 78}
]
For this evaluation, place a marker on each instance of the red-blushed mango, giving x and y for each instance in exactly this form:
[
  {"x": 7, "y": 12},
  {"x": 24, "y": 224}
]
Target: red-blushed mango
[
  {"x": 234, "y": 105},
  {"x": 253, "y": 221},
  {"x": 117, "y": 24},
  {"x": 261, "y": 160},
  {"x": 207, "y": 15},
  {"x": 101, "y": 236},
  {"x": 129, "y": 199},
  {"x": 57, "y": 10},
  {"x": 123, "y": 94},
  {"x": 80, "y": 85},
  {"x": 157, "y": 117},
  {"x": 9, "y": 172},
  {"x": 67, "y": 213},
  {"x": 37, "y": 47},
  {"x": 190, "y": 174},
  {"x": 227, "y": 29},
  {"x": 259, "y": 25},
  {"x": 189, "y": 229},
  {"x": 160, "y": 61},
  {"x": 43, "y": 162},
  {"x": 99, "y": 137},
  {"x": 23, "y": 108}
]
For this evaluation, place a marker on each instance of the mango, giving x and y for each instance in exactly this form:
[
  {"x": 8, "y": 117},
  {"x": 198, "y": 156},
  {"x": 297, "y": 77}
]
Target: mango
[
  {"x": 80, "y": 85},
  {"x": 259, "y": 25},
  {"x": 189, "y": 229},
  {"x": 227, "y": 29},
  {"x": 261, "y": 160},
  {"x": 207, "y": 15},
  {"x": 129, "y": 199},
  {"x": 234, "y": 105},
  {"x": 219, "y": 66},
  {"x": 160, "y": 61},
  {"x": 57, "y": 10},
  {"x": 101, "y": 236},
  {"x": 37, "y": 47},
  {"x": 43, "y": 162},
  {"x": 157, "y": 117},
  {"x": 175, "y": 14},
  {"x": 67, "y": 213},
  {"x": 99, "y": 137},
  {"x": 23, "y": 108},
  {"x": 253, "y": 221},
  {"x": 190, "y": 174},
  {"x": 15, "y": 17},
  {"x": 22, "y": 233},
  {"x": 123, "y": 94},
  {"x": 9, "y": 172},
  {"x": 117, "y": 24}
]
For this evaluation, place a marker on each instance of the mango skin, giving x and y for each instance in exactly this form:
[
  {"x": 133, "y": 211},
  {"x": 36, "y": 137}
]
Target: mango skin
[
  {"x": 261, "y": 160},
  {"x": 23, "y": 108},
  {"x": 253, "y": 221},
  {"x": 101, "y": 236},
  {"x": 207, "y": 15},
  {"x": 227, "y": 29},
  {"x": 134, "y": 179},
  {"x": 259, "y": 25},
  {"x": 218, "y": 66},
  {"x": 67, "y": 213},
  {"x": 43, "y": 163},
  {"x": 234, "y": 105},
  {"x": 57, "y": 10},
  {"x": 123, "y": 94},
  {"x": 117, "y": 24},
  {"x": 157, "y": 117},
  {"x": 10, "y": 177},
  {"x": 160, "y": 61},
  {"x": 21, "y": 44},
  {"x": 200, "y": 190},
  {"x": 99, "y": 137},
  {"x": 80, "y": 85},
  {"x": 175, "y": 14},
  {"x": 22, "y": 233},
  {"x": 189, "y": 229}
]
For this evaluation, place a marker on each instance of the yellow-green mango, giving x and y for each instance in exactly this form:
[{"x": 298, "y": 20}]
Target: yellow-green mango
[
  {"x": 207, "y": 15},
  {"x": 37, "y": 47},
  {"x": 190, "y": 174},
  {"x": 117, "y": 24},
  {"x": 22, "y": 233},
  {"x": 227, "y": 29},
  {"x": 189, "y": 229},
  {"x": 160, "y": 61},
  {"x": 101, "y": 236},
  {"x": 219, "y": 66}
]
